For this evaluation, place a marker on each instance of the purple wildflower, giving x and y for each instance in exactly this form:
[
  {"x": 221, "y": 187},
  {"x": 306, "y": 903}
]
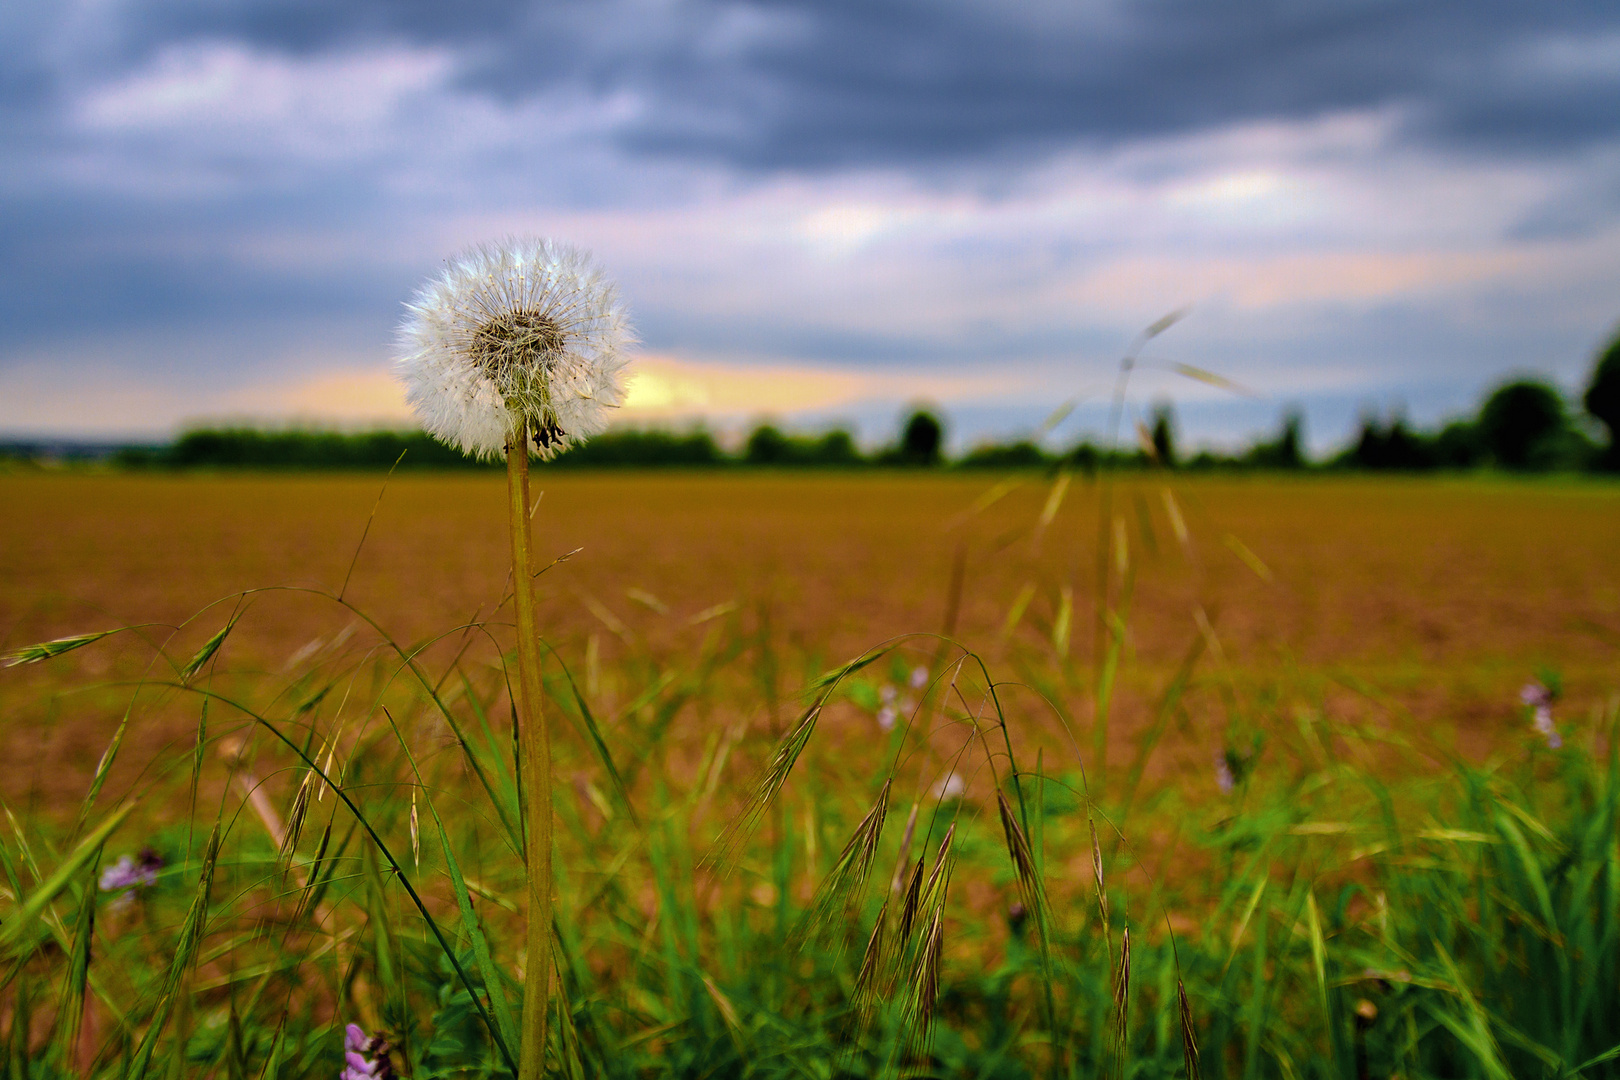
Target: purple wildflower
[
  {"x": 919, "y": 678},
  {"x": 1536, "y": 695},
  {"x": 138, "y": 873},
  {"x": 356, "y": 1045},
  {"x": 1539, "y": 699},
  {"x": 886, "y": 717},
  {"x": 1224, "y": 779}
]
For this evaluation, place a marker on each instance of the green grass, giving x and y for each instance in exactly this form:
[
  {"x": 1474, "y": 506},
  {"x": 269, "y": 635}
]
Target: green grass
[{"x": 803, "y": 895}]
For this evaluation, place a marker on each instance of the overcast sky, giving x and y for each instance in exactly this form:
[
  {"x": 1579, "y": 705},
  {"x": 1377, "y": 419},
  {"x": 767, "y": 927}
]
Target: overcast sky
[{"x": 819, "y": 211}]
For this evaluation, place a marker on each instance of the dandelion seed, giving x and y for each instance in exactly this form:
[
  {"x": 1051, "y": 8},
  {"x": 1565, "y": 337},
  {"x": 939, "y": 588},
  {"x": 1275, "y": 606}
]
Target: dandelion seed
[{"x": 522, "y": 335}]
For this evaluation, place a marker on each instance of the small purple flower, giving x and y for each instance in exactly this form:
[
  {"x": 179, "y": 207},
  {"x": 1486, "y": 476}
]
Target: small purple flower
[
  {"x": 1539, "y": 699},
  {"x": 1223, "y": 774},
  {"x": 356, "y": 1045},
  {"x": 919, "y": 678},
  {"x": 137, "y": 873},
  {"x": 1546, "y": 728},
  {"x": 1536, "y": 695},
  {"x": 886, "y": 717}
]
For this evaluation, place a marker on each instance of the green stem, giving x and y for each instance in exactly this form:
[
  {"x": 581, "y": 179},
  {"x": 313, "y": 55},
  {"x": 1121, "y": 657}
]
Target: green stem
[{"x": 534, "y": 740}]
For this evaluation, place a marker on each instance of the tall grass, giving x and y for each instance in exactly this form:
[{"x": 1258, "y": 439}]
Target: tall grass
[{"x": 757, "y": 881}]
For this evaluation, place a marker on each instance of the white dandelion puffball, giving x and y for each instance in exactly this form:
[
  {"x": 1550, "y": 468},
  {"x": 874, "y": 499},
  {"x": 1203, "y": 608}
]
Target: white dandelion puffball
[{"x": 523, "y": 333}]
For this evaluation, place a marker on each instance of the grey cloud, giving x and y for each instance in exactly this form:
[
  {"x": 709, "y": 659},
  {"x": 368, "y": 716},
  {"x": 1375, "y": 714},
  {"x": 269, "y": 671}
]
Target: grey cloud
[{"x": 801, "y": 84}]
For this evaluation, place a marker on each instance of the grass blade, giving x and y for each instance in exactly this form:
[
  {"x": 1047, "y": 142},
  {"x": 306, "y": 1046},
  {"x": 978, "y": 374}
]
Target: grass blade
[
  {"x": 185, "y": 950},
  {"x": 11, "y": 933}
]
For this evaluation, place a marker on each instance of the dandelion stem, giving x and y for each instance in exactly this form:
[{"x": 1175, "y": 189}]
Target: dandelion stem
[{"x": 534, "y": 741}]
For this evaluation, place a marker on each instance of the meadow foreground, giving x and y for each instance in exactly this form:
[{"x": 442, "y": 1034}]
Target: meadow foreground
[{"x": 1299, "y": 707}]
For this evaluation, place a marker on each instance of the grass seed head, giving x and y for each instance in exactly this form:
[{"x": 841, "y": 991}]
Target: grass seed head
[
  {"x": 1189, "y": 1037},
  {"x": 1122, "y": 1001},
  {"x": 1023, "y": 860},
  {"x": 845, "y": 884}
]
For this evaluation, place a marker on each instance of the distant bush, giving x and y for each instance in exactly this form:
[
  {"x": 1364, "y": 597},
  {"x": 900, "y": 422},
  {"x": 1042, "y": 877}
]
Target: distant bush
[
  {"x": 1286, "y": 450},
  {"x": 644, "y": 449},
  {"x": 770, "y": 446},
  {"x": 295, "y": 449},
  {"x": 922, "y": 442},
  {"x": 1018, "y": 455},
  {"x": 1524, "y": 426}
]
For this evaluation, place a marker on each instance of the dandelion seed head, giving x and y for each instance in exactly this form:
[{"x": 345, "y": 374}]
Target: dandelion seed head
[{"x": 524, "y": 332}]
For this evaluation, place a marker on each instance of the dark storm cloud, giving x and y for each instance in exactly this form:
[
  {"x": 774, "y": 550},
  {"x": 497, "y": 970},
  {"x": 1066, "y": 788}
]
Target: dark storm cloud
[{"x": 850, "y": 82}]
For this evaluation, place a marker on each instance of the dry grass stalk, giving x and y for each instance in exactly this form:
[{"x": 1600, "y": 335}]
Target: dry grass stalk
[
  {"x": 314, "y": 876},
  {"x": 908, "y": 909},
  {"x": 1189, "y": 1038},
  {"x": 1030, "y": 885},
  {"x": 901, "y": 860},
  {"x": 769, "y": 783},
  {"x": 295, "y": 823},
  {"x": 925, "y": 981},
  {"x": 933, "y": 894},
  {"x": 1122, "y": 1003},
  {"x": 846, "y": 882},
  {"x": 872, "y": 960},
  {"x": 1102, "y": 889}
]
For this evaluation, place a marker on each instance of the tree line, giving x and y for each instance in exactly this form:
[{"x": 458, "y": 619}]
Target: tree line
[{"x": 1522, "y": 425}]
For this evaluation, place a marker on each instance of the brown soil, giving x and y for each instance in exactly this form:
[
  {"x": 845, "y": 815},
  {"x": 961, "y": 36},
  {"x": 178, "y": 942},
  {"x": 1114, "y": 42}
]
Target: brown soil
[{"x": 1419, "y": 602}]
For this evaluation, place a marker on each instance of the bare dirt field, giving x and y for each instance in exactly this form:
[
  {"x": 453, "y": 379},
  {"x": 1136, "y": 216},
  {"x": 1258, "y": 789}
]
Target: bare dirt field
[{"x": 1436, "y": 600}]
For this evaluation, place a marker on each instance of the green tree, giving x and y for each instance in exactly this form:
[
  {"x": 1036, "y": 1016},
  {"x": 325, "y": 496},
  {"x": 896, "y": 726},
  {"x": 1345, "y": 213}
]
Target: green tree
[
  {"x": 1163, "y": 434},
  {"x": 1522, "y": 424},
  {"x": 1287, "y": 450},
  {"x": 921, "y": 439},
  {"x": 1603, "y": 398},
  {"x": 767, "y": 446}
]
